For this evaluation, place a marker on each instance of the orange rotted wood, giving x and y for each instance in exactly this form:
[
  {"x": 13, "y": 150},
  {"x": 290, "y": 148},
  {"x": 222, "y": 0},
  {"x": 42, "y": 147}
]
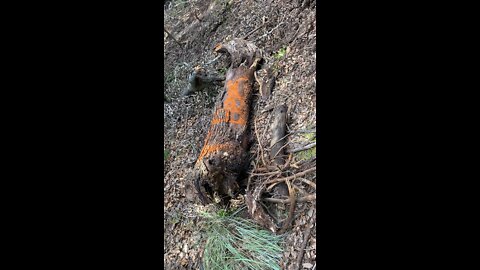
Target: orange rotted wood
[{"x": 224, "y": 154}]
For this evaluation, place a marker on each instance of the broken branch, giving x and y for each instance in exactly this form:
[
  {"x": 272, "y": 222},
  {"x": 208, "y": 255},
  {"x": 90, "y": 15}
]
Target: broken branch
[
  {"x": 310, "y": 183},
  {"x": 306, "y": 147},
  {"x": 304, "y": 245},
  {"x": 292, "y": 176},
  {"x": 302, "y": 199},
  {"x": 170, "y": 35}
]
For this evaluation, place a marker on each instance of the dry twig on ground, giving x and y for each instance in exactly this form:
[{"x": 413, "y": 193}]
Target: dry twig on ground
[
  {"x": 306, "y": 147},
  {"x": 302, "y": 199},
  {"x": 292, "y": 176},
  {"x": 170, "y": 35},
  {"x": 304, "y": 245}
]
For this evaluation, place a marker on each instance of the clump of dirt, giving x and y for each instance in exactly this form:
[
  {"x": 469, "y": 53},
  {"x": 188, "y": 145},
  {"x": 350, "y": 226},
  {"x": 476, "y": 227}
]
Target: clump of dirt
[{"x": 286, "y": 32}]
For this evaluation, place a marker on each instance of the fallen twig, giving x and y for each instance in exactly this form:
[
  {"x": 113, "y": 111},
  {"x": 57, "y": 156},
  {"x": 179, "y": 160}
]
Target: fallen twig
[
  {"x": 306, "y": 147},
  {"x": 170, "y": 35},
  {"x": 304, "y": 131},
  {"x": 267, "y": 173},
  {"x": 292, "y": 176},
  {"x": 253, "y": 31},
  {"x": 299, "y": 190},
  {"x": 213, "y": 61},
  {"x": 304, "y": 161},
  {"x": 281, "y": 148},
  {"x": 265, "y": 169},
  {"x": 196, "y": 16},
  {"x": 274, "y": 168},
  {"x": 304, "y": 245},
  {"x": 307, "y": 198},
  {"x": 268, "y": 33},
  {"x": 308, "y": 182},
  {"x": 288, "y": 162}
]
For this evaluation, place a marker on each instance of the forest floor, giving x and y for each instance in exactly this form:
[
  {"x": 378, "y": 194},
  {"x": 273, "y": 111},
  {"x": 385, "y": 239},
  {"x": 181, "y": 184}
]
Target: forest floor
[{"x": 286, "y": 32}]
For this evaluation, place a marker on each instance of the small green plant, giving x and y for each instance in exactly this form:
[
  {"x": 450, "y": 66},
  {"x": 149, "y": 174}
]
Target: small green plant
[
  {"x": 309, "y": 136},
  {"x": 236, "y": 243},
  {"x": 166, "y": 153},
  {"x": 222, "y": 71},
  {"x": 222, "y": 213},
  {"x": 281, "y": 53}
]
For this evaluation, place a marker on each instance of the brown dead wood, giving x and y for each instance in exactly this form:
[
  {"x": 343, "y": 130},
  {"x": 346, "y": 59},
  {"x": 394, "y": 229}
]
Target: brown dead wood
[
  {"x": 307, "y": 198},
  {"x": 171, "y": 36},
  {"x": 278, "y": 129},
  {"x": 292, "y": 176},
  {"x": 199, "y": 79},
  {"x": 224, "y": 154},
  {"x": 291, "y": 210},
  {"x": 303, "y": 148},
  {"x": 304, "y": 245}
]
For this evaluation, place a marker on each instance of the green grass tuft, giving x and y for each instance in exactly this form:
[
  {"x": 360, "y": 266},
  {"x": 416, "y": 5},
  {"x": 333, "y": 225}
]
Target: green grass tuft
[{"x": 236, "y": 243}]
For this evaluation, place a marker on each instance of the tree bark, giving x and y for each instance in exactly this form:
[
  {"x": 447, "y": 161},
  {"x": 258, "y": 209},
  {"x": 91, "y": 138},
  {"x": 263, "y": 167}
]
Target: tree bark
[{"x": 224, "y": 154}]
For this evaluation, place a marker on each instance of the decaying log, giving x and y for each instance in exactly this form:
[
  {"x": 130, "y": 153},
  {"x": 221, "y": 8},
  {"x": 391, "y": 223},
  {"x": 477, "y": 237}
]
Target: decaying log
[
  {"x": 277, "y": 151},
  {"x": 224, "y": 154},
  {"x": 199, "y": 80}
]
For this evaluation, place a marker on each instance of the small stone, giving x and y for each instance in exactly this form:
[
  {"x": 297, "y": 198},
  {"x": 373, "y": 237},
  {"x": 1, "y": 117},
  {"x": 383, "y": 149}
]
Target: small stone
[
  {"x": 310, "y": 212},
  {"x": 307, "y": 265}
]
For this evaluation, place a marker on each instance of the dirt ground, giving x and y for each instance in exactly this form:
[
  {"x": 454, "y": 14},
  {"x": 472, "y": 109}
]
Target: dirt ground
[{"x": 286, "y": 32}]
